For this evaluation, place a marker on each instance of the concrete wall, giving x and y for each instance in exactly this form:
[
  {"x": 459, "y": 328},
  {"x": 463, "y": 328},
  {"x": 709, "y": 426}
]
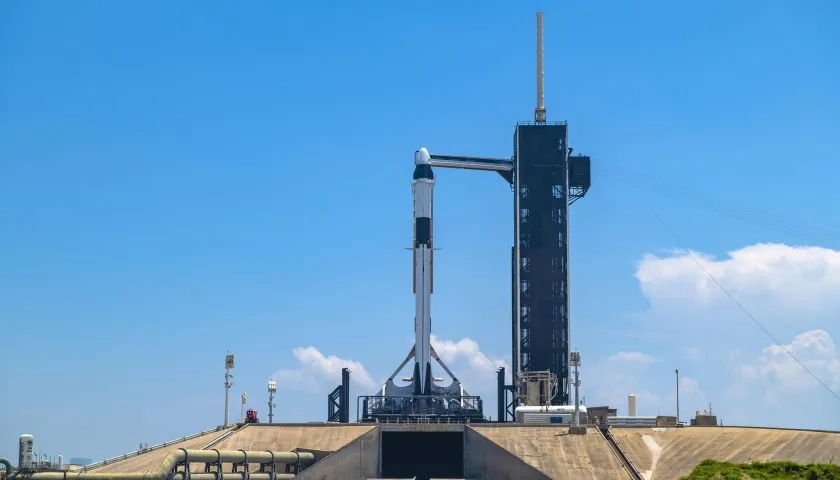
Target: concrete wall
[
  {"x": 484, "y": 460},
  {"x": 422, "y": 427},
  {"x": 357, "y": 460}
]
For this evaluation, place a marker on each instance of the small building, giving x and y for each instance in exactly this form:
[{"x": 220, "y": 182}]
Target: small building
[
  {"x": 666, "y": 421},
  {"x": 598, "y": 415},
  {"x": 706, "y": 421}
]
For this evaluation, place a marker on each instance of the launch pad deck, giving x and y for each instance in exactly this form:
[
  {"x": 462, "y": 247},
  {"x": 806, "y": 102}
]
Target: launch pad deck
[{"x": 492, "y": 451}]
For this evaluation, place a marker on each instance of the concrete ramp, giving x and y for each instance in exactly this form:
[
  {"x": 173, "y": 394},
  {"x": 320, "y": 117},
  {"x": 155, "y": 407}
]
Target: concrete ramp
[
  {"x": 553, "y": 453},
  {"x": 358, "y": 459},
  {"x": 664, "y": 454},
  {"x": 487, "y": 460},
  {"x": 287, "y": 437},
  {"x": 148, "y": 461}
]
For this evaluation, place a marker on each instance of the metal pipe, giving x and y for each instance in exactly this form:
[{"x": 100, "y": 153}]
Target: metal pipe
[
  {"x": 165, "y": 470},
  {"x": 227, "y": 398},
  {"x": 501, "y": 397},
  {"x": 517, "y": 341},
  {"x": 239, "y": 456},
  {"x": 539, "y": 112},
  {"x": 8, "y": 466},
  {"x": 478, "y": 165},
  {"x": 577, "y": 398},
  {"x": 233, "y": 476}
]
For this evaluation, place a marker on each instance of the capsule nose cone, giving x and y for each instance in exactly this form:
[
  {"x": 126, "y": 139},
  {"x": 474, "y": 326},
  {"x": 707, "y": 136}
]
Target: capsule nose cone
[{"x": 422, "y": 157}]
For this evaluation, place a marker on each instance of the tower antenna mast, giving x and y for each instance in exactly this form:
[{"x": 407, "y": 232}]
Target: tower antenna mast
[{"x": 539, "y": 112}]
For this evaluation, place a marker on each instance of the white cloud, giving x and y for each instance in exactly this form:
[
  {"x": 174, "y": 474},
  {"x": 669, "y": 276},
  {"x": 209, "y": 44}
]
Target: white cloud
[
  {"x": 315, "y": 366},
  {"x": 693, "y": 353},
  {"x": 803, "y": 278},
  {"x": 633, "y": 357},
  {"x": 774, "y": 367},
  {"x": 766, "y": 387},
  {"x": 466, "y": 350},
  {"x": 689, "y": 386}
]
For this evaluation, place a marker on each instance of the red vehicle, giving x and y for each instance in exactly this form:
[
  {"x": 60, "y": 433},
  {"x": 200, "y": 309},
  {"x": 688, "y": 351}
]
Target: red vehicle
[{"x": 251, "y": 417}]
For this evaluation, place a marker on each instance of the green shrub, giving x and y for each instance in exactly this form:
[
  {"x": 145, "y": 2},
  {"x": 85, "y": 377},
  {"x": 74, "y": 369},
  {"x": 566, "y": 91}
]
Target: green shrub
[{"x": 714, "y": 470}]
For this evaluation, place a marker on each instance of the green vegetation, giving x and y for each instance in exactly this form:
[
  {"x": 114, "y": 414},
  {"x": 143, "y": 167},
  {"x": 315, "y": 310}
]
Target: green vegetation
[{"x": 714, "y": 470}]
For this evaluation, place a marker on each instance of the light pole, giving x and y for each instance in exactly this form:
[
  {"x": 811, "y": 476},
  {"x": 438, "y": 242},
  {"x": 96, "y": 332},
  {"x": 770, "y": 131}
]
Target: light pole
[
  {"x": 228, "y": 383},
  {"x": 574, "y": 359},
  {"x": 272, "y": 387},
  {"x": 244, "y": 401},
  {"x": 677, "y": 372}
]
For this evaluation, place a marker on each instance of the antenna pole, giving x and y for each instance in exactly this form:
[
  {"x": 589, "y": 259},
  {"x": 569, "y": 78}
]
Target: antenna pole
[
  {"x": 539, "y": 112},
  {"x": 677, "y": 372}
]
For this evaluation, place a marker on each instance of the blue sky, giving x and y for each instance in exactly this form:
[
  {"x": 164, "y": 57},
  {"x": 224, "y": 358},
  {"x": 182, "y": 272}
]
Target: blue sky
[{"x": 177, "y": 182}]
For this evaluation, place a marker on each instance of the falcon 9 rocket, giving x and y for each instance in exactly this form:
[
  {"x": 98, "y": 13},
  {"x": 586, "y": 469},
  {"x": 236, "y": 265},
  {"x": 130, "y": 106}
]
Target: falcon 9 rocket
[{"x": 422, "y": 186}]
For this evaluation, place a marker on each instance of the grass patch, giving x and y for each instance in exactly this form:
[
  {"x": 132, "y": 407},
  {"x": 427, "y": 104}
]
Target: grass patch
[{"x": 714, "y": 470}]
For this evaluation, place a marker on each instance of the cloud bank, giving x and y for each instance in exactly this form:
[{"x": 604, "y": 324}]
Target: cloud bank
[
  {"x": 800, "y": 278},
  {"x": 314, "y": 368}
]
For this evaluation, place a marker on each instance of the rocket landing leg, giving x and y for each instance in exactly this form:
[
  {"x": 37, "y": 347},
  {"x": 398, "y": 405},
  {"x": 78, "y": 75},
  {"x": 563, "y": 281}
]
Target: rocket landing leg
[
  {"x": 421, "y": 400},
  {"x": 427, "y": 386}
]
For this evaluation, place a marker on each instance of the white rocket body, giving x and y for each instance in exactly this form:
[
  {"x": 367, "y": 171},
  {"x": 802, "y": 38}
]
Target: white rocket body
[
  {"x": 422, "y": 186},
  {"x": 422, "y": 382}
]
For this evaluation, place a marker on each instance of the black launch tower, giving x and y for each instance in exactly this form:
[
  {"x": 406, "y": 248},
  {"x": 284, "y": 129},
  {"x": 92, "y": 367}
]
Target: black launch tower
[{"x": 546, "y": 181}]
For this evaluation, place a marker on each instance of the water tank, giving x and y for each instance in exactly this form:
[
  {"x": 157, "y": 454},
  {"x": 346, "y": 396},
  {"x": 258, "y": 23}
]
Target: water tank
[
  {"x": 61, "y": 462},
  {"x": 631, "y": 405},
  {"x": 25, "y": 451}
]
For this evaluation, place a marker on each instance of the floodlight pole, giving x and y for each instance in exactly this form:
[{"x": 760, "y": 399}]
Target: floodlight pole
[
  {"x": 272, "y": 387},
  {"x": 228, "y": 383}
]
